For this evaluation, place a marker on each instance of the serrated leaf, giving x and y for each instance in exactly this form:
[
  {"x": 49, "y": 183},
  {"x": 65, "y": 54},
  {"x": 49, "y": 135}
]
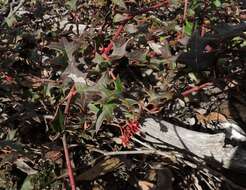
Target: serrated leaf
[
  {"x": 131, "y": 28},
  {"x": 71, "y": 4},
  {"x": 68, "y": 48},
  {"x": 217, "y": 3},
  {"x": 98, "y": 59},
  {"x": 101, "y": 85},
  {"x": 119, "y": 18},
  {"x": 139, "y": 55},
  {"x": 80, "y": 87},
  {"x": 93, "y": 108},
  {"x": 120, "y": 3},
  {"x": 99, "y": 93},
  {"x": 118, "y": 86},
  {"x": 119, "y": 50},
  {"x": 188, "y": 27},
  {"x": 106, "y": 114},
  {"x": 155, "y": 47},
  {"x": 129, "y": 102},
  {"x": 58, "y": 122}
]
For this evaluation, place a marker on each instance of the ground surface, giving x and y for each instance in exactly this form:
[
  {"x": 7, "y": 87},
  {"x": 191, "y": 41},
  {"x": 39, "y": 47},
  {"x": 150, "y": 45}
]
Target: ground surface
[{"x": 82, "y": 75}]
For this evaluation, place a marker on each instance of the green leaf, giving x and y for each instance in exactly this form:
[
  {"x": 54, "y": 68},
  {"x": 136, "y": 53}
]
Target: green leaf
[
  {"x": 101, "y": 3},
  {"x": 28, "y": 185},
  {"x": 47, "y": 89},
  {"x": 156, "y": 47},
  {"x": 10, "y": 20},
  {"x": 11, "y": 134},
  {"x": 93, "y": 108},
  {"x": 106, "y": 114},
  {"x": 58, "y": 122},
  {"x": 139, "y": 55},
  {"x": 119, "y": 50},
  {"x": 131, "y": 28},
  {"x": 102, "y": 64},
  {"x": 217, "y": 3},
  {"x": 120, "y": 3},
  {"x": 129, "y": 103},
  {"x": 80, "y": 87},
  {"x": 188, "y": 27},
  {"x": 71, "y": 4},
  {"x": 119, "y": 18},
  {"x": 98, "y": 59},
  {"x": 118, "y": 86},
  {"x": 102, "y": 84}
]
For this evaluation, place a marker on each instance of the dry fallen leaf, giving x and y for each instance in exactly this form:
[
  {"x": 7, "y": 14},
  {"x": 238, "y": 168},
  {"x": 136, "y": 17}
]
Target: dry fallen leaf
[
  {"x": 53, "y": 155},
  {"x": 215, "y": 116},
  {"x": 145, "y": 185},
  {"x": 201, "y": 119},
  {"x": 24, "y": 167},
  {"x": 211, "y": 117},
  {"x": 101, "y": 168}
]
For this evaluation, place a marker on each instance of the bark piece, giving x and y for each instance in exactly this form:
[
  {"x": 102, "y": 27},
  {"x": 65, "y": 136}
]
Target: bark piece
[{"x": 207, "y": 146}]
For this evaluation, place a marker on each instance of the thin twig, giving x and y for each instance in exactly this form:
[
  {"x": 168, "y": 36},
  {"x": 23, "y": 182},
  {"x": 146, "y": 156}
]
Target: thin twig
[
  {"x": 130, "y": 152},
  {"x": 142, "y": 143},
  {"x": 161, "y": 153}
]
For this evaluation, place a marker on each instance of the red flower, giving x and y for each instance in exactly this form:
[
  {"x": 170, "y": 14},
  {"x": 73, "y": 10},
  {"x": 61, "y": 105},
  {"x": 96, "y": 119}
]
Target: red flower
[
  {"x": 5, "y": 76},
  {"x": 8, "y": 78},
  {"x": 128, "y": 131}
]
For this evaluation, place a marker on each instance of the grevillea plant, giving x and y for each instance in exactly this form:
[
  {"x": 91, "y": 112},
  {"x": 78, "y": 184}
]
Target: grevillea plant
[{"x": 127, "y": 131}]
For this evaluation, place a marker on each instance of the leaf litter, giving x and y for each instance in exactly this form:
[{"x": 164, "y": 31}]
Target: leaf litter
[{"x": 93, "y": 70}]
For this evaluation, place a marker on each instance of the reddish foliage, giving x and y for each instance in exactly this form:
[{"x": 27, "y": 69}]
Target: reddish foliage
[
  {"x": 128, "y": 131},
  {"x": 105, "y": 51}
]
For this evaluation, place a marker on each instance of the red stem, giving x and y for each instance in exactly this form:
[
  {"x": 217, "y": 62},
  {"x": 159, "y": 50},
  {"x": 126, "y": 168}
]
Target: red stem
[
  {"x": 116, "y": 35},
  {"x": 69, "y": 97},
  {"x": 71, "y": 93},
  {"x": 130, "y": 16},
  {"x": 157, "y": 5},
  {"x": 196, "y": 88},
  {"x": 68, "y": 163}
]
